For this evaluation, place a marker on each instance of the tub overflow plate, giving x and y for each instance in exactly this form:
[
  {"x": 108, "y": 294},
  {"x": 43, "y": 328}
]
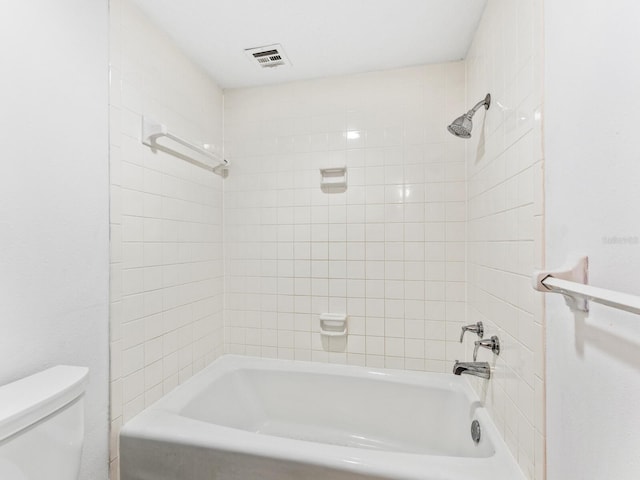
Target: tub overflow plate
[{"x": 475, "y": 431}]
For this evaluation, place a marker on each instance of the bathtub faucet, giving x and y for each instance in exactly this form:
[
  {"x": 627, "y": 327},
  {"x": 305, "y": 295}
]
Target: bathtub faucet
[{"x": 479, "y": 369}]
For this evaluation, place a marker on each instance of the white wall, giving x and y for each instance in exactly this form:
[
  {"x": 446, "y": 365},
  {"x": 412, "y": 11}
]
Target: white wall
[
  {"x": 166, "y": 221},
  {"x": 54, "y": 200},
  {"x": 505, "y": 231},
  {"x": 592, "y": 75},
  {"x": 389, "y": 251}
]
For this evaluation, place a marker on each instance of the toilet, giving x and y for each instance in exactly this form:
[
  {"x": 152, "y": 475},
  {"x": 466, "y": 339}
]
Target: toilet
[{"x": 42, "y": 425}]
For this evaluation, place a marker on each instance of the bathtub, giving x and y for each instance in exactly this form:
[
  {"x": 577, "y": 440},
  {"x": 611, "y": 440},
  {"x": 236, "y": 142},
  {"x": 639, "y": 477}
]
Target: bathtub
[{"x": 245, "y": 418}]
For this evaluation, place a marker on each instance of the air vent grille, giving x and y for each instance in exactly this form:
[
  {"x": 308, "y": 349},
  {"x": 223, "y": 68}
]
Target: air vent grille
[{"x": 268, "y": 56}]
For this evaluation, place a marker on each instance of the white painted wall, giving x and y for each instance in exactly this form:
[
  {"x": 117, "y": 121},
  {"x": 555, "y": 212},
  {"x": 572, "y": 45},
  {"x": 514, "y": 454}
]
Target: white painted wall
[
  {"x": 592, "y": 175},
  {"x": 54, "y": 199}
]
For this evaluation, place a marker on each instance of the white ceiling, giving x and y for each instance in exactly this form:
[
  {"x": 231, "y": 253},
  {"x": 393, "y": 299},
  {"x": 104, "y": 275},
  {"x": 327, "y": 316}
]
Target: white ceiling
[{"x": 320, "y": 37}]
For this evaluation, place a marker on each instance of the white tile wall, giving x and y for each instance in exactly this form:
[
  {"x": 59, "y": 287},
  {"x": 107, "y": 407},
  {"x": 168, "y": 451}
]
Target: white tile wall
[
  {"x": 505, "y": 227},
  {"x": 389, "y": 251},
  {"x": 166, "y": 221}
]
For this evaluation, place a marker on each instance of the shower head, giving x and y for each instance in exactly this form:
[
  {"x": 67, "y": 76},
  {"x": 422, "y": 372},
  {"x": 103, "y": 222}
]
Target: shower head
[{"x": 462, "y": 126}]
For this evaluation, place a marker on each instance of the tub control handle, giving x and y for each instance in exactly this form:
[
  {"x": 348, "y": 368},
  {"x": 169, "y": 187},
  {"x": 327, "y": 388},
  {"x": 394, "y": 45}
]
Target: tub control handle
[
  {"x": 478, "y": 329},
  {"x": 492, "y": 343}
]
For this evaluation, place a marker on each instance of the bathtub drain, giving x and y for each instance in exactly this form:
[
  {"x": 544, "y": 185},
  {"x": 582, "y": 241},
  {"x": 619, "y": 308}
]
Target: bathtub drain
[{"x": 475, "y": 431}]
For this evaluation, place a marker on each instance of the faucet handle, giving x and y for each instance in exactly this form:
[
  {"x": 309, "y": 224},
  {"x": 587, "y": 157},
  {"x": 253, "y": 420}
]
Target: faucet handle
[
  {"x": 478, "y": 329},
  {"x": 492, "y": 343}
]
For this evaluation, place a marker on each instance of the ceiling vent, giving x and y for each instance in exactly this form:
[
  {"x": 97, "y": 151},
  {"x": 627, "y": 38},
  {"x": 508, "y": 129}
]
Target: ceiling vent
[{"x": 269, "y": 56}]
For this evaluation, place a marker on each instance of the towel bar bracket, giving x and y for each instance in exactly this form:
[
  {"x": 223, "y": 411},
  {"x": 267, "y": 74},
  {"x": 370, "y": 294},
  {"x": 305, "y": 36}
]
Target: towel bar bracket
[
  {"x": 576, "y": 271},
  {"x": 573, "y": 283}
]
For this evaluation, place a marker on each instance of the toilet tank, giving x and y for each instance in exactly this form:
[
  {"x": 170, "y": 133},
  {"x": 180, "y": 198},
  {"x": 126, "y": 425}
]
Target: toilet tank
[{"x": 42, "y": 425}]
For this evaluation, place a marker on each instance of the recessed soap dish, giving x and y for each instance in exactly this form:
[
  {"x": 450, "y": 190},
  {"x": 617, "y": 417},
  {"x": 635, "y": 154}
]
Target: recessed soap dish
[
  {"x": 333, "y": 180},
  {"x": 333, "y": 324}
]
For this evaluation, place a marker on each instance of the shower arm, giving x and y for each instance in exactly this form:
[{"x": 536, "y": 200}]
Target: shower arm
[{"x": 485, "y": 102}]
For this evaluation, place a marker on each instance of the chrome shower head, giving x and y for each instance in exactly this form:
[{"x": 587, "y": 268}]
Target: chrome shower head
[{"x": 462, "y": 126}]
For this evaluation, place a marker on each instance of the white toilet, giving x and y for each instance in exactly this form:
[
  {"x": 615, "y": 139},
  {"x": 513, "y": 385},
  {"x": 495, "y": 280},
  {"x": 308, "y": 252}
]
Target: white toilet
[{"x": 42, "y": 425}]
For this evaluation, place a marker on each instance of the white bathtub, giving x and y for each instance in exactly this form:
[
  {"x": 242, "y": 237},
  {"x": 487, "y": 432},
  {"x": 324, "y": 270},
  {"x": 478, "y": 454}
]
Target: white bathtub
[{"x": 245, "y": 418}]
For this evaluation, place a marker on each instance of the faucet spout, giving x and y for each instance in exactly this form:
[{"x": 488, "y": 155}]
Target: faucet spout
[{"x": 478, "y": 369}]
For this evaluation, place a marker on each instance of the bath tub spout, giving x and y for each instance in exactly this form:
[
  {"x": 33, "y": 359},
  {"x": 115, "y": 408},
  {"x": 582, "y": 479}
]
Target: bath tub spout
[{"x": 479, "y": 369}]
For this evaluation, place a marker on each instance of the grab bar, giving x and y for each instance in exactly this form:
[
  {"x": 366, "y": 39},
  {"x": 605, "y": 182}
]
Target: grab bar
[
  {"x": 573, "y": 284},
  {"x": 152, "y": 131}
]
